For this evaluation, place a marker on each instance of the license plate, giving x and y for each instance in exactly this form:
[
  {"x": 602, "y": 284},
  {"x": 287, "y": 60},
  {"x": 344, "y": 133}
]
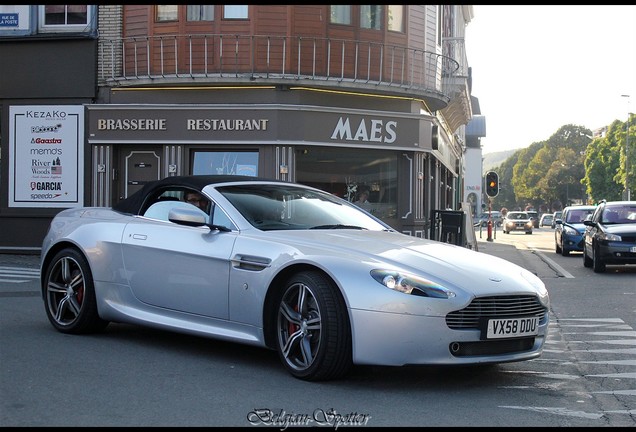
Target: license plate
[
  {"x": 512, "y": 327},
  {"x": 632, "y": 249}
]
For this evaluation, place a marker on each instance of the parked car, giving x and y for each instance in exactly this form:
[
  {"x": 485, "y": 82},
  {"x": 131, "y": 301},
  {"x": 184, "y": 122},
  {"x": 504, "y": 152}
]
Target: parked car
[
  {"x": 610, "y": 235},
  {"x": 482, "y": 219},
  {"x": 556, "y": 215},
  {"x": 568, "y": 232},
  {"x": 290, "y": 268},
  {"x": 517, "y": 221},
  {"x": 534, "y": 216},
  {"x": 546, "y": 219}
]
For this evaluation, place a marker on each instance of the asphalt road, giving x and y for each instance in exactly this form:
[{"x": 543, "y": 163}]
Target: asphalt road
[{"x": 133, "y": 376}]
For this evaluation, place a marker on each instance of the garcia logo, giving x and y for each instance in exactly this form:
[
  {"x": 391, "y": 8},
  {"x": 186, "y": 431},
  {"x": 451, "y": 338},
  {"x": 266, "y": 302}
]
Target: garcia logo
[{"x": 46, "y": 186}]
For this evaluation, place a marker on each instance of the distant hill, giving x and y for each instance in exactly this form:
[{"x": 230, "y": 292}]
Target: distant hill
[{"x": 492, "y": 160}]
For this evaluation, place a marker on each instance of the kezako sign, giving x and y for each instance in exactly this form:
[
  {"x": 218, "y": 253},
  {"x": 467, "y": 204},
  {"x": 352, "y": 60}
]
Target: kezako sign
[{"x": 46, "y": 156}]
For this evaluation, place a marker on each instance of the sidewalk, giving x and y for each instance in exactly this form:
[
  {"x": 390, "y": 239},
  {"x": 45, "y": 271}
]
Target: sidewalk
[
  {"x": 20, "y": 260},
  {"x": 532, "y": 260}
]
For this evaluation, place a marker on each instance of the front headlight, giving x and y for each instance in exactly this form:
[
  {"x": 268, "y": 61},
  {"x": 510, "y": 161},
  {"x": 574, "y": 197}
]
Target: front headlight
[
  {"x": 537, "y": 284},
  {"x": 569, "y": 230},
  {"x": 409, "y": 284},
  {"x": 610, "y": 237}
]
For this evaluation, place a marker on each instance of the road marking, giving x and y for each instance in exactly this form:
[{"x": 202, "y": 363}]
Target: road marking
[
  {"x": 558, "y": 411},
  {"x": 583, "y": 328},
  {"x": 18, "y": 274},
  {"x": 554, "y": 266}
]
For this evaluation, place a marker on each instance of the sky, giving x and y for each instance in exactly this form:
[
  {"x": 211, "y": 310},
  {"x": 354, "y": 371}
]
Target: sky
[{"x": 537, "y": 68}]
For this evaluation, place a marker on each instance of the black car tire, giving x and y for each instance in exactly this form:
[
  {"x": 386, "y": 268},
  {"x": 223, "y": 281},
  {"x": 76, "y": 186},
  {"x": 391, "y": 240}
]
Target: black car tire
[
  {"x": 597, "y": 263},
  {"x": 564, "y": 252},
  {"x": 313, "y": 331},
  {"x": 69, "y": 294},
  {"x": 587, "y": 261}
]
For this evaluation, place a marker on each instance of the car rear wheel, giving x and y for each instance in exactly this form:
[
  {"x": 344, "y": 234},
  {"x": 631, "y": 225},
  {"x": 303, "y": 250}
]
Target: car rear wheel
[
  {"x": 597, "y": 263},
  {"x": 313, "y": 330},
  {"x": 69, "y": 294}
]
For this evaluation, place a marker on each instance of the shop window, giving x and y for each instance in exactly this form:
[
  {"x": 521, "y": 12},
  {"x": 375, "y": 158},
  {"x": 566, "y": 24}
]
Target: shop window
[
  {"x": 367, "y": 178},
  {"x": 340, "y": 14},
  {"x": 200, "y": 12},
  {"x": 235, "y": 11},
  {"x": 65, "y": 18},
  {"x": 225, "y": 162},
  {"x": 167, "y": 13},
  {"x": 371, "y": 17},
  {"x": 396, "y": 18}
]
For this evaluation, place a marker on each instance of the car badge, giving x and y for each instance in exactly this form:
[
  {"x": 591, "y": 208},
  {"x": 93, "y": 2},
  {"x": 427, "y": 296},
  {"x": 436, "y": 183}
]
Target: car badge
[{"x": 495, "y": 279}]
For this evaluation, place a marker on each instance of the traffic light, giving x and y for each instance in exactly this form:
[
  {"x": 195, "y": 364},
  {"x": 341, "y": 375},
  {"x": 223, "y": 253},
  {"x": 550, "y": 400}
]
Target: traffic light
[{"x": 492, "y": 184}]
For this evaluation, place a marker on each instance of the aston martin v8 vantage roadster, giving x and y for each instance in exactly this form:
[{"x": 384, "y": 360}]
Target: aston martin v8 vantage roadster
[{"x": 290, "y": 268}]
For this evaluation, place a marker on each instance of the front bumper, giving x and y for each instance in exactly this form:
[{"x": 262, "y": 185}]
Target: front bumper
[{"x": 390, "y": 339}]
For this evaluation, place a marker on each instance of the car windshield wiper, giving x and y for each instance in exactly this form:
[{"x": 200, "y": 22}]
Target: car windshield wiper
[{"x": 338, "y": 226}]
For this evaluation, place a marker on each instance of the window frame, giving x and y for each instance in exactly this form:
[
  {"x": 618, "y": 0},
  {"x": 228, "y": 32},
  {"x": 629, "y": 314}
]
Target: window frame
[
  {"x": 201, "y": 12},
  {"x": 390, "y": 26},
  {"x": 241, "y": 12},
  {"x": 374, "y": 11},
  {"x": 343, "y": 11},
  {"x": 166, "y": 11},
  {"x": 86, "y": 27}
]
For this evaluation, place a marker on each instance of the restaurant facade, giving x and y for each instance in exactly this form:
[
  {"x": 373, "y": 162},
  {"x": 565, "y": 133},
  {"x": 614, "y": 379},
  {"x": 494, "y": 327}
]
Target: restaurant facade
[{"x": 402, "y": 143}]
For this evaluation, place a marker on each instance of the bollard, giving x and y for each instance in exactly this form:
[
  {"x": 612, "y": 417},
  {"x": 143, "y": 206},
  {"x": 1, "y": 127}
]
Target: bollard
[{"x": 489, "y": 231}]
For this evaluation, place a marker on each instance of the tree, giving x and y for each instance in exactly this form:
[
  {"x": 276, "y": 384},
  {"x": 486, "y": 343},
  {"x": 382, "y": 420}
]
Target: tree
[{"x": 603, "y": 166}]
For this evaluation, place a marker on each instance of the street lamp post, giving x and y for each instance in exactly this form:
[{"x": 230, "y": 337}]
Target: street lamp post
[{"x": 627, "y": 192}]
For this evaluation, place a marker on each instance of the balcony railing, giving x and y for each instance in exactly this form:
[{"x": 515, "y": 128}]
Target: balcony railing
[{"x": 225, "y": 58}]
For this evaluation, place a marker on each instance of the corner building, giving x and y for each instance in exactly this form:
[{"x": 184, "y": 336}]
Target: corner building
[{"x": 346, "y": 98}]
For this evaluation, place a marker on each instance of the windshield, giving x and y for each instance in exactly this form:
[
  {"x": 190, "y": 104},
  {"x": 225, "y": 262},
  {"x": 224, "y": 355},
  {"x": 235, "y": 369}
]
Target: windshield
[
  {"x": 289, "y": 207},
  {"x": 619, "y": 214},
  {"x": 578, "y": 216},
  {"x": 515, "y": 215}
]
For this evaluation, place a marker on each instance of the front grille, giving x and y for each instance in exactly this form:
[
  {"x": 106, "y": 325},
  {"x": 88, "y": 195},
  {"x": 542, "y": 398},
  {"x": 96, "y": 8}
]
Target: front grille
[{"x": 496, "y": 307}]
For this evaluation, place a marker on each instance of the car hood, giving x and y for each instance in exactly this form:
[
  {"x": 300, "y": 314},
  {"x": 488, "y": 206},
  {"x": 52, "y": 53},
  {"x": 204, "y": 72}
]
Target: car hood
[
  {"x": 459, "y": 266},
  {"x": 628, "y": 228},
  {"x": 580, "y": 227}
]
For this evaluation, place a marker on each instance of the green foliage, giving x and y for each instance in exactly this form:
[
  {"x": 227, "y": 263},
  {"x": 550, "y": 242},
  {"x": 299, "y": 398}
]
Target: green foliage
[
  {"x": 569, "y": 167},
  {"x": 605, "y": 162}
]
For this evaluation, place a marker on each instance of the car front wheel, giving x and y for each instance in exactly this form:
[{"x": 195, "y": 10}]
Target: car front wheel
[
  {"x": 597, "y": 263},
  {"x": 587, "y": 261},
  {"x": 565, "y": 252},
  {"x": 313, "y": 330},
  {"x": 69, "y": 294}
]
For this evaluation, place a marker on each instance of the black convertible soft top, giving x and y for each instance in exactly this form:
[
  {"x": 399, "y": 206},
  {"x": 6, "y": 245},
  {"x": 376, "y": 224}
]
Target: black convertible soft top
[{"x": 133, "y": 204}]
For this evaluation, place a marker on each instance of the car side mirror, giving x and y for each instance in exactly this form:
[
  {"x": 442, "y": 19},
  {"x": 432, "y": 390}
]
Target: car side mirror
[{"x": 187, "y": 216}]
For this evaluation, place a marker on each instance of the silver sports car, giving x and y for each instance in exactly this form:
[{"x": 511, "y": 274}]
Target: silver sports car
[{"x": 290, "y": 268}]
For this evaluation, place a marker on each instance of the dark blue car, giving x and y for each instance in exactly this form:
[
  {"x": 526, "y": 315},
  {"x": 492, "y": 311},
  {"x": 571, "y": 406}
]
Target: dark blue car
[{"x": 569, "y": 229}]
